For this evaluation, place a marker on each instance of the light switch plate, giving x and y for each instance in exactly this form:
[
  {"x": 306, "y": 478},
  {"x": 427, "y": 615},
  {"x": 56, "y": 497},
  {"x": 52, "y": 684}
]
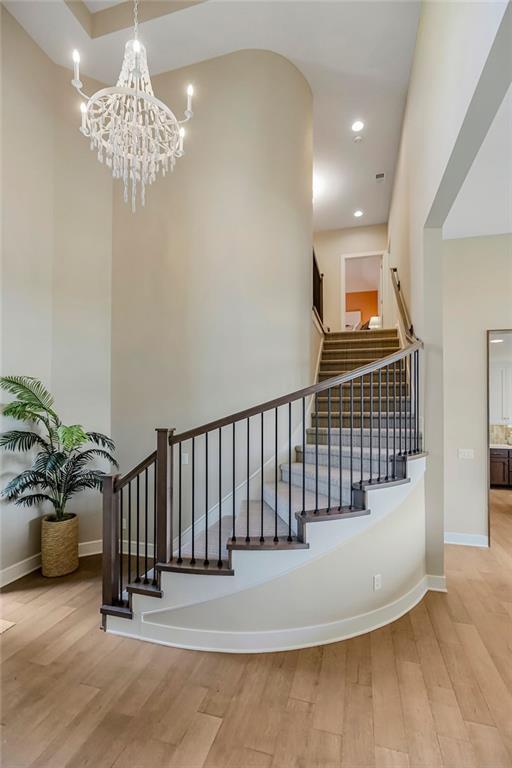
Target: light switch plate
[
  {"x": 466, "y": 453},
  {"x": 184, "y": 458}
]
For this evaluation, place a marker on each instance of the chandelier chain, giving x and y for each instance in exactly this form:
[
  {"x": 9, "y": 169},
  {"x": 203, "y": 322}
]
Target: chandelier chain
[{"x": 135, "y": 18}]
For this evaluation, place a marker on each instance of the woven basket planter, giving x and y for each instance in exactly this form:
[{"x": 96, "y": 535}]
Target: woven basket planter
[{"x": 59, "y": 546}]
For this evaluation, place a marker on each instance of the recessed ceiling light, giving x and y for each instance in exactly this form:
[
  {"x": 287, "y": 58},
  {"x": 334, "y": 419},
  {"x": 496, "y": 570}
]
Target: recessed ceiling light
[
  {"x": 357, "y": 126},
  {"x": 358, "y": 213},
  {"x": 496, "y": 341}
]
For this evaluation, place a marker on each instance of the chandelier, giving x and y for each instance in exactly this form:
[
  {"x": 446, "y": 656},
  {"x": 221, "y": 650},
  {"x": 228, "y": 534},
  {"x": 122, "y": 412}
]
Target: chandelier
[{"x": 133, "y": 132}]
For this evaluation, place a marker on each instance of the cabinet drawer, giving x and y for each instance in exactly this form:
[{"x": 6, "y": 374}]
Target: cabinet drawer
[{"x": 499, "y": 453}]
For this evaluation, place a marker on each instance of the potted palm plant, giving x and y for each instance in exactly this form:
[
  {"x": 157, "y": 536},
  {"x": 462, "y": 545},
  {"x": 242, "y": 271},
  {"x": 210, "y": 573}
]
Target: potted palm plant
[{"x": 62, "y": 459}]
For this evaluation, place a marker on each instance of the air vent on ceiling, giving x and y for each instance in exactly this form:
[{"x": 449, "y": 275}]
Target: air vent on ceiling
[{"x": 380, "y": 177}]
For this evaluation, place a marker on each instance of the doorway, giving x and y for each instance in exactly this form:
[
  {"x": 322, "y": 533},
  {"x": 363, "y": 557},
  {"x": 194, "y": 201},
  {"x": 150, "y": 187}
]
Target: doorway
[
  {"x": 361, "y": 291},
  {"x": 499, "y": 410}
]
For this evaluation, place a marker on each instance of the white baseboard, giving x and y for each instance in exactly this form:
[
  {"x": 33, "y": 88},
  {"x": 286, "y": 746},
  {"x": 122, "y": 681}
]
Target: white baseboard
[
  {"x": 466, "y": 539},
  {"x": 24, "y": 567},
  {"x": 270, "y": 641}
]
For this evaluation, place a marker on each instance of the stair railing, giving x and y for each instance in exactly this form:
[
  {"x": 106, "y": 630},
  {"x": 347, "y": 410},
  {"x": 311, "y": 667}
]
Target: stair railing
[{"x": 233, "y": 484}]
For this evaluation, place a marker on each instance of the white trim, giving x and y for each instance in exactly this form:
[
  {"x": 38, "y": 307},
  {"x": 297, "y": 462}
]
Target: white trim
[
  {"x": 278, "y": 640},
  {"x": 466, "y": 539},
  {"x": 343, "y": 285},
  {"x": 32, "y": 563}
]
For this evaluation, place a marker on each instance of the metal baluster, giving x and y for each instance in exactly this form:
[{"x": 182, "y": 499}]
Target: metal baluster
[
  {"x": 303, "y": 456},
  {"x": 137, "y": 523},
  {"x": 155, "y": 579},
  {"x": 340, "y": 409},
  {"x": 129, "y": 568},
  {"x": 394, "y": 420},
  {"x": 146, "y": 526},
  {"x": 121, "y": 534},
  {"x": 351, "y": 443},
  {"x": 234, "y": 485},
  {"x": 361, "y": 410},
  {"x": 193, "y": 557},
  {"x": 289, "y": 471},
  {"x": 417, "y": 399},
  {"x": 371, "y": 428},
  {"x": 400, "y": 406},
  {"x": 206, "y": 561},
  {"x": 247, "y": 537},
  {"x": 262, "y": 538},
  {"x": 379, "y": 440},
  {"x": 276, "y": 538},
  {"x": 387, "y": 422},
  {"x": 329, "y": 449},
  {"x": 411, "y": 404},
  {"x": 316, "y": 454},
  {"x": 219, "y": 561},
  {"x": 180, "y": 462}
]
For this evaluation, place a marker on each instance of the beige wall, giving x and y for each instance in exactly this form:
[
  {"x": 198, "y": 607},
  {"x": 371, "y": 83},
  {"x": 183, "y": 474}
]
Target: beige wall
[
  {"x": 453, "y": 43},
  {"x": 212, "y": 280},
  {"x": 483, "y": 265},
  {"x": 56, "y": 254},
  {"x": 330, "y": 245}
]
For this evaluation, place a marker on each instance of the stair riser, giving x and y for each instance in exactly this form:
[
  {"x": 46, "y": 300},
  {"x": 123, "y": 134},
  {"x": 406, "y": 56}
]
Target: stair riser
[
  {"x": 347, "y": 365},
  {"x": 323, "y": 485},
  {"x": 323, "y": 421},
  {"x": 323, "y": 461},
  {"x": 344, "y": 352},
  {"x": 369, "y": 336},
  {"x": 345, "y": 392},
  {"x": 323, "y": 405},
  {"x": 335, "y": 438}
]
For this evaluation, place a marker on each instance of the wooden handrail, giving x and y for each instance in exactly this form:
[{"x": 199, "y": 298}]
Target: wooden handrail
[
  {"x": 132, "y": 474},
  {"x": 402, "y": 307},
  {"x": 314, "y": 389}
]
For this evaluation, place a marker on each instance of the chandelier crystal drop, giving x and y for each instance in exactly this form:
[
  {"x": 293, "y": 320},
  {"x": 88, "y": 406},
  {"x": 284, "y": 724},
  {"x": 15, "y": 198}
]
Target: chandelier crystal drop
[{"x": 133, "y": 132}]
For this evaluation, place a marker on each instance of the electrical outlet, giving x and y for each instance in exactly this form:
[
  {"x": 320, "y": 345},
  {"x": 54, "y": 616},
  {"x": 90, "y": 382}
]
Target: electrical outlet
[
  {"x": 124, "y": 525},
  {"x": 466, "y": 453},
  {"x": 377, "y": 582},
  {"x": 184, "y": 458}
]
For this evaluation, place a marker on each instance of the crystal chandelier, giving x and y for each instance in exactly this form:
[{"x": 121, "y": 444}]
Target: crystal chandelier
[{"x": 135, "y": 133}]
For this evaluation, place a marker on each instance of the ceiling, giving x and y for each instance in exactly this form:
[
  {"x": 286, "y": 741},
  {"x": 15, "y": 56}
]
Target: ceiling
[
  {"x": 484, "y": 203},
  {"x": 100, "y": 5},
  {"x": 362, "y": 274},
  {"x": 356, "y": 57}
]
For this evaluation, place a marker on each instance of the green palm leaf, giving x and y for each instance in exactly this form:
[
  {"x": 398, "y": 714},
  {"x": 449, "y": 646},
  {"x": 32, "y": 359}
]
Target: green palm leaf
[
  {"x": 30, "y": 391},
  {"x": 31, "y": 499},
  {"x": 21, "y": 440},
  {"x": 100, "y": 439},
  {"x": 22, "y": 482}
]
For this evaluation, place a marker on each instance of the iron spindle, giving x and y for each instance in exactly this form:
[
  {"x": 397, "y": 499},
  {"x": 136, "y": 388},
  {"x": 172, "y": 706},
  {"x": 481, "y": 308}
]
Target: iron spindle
[
  {"x": 351, "y": 443},
  {"x": 121, "y": 534},
  {"x": 289, "y": 471},
  {"x": 316, "y": 454},
  {"x": 329, "y": 449},
  {"x": 394, "y": 421},
  {"x": 146, "y": 526},
  {"x": 387, "y": 422},
  {"x": 137, "y": 523},
  {"x": 206, "y": 561},
  {"x": 411, "y": 406},
  {"x": 400, "y": 406},
  {"x": 275, "y": 477},
  {"x": 379, "y": 437},
  {"x": 340, "y": 408},
  {"x": 371, "y": 428},
  {"x": 129, "y": 568},
  {"x": 361, "y": 425},
  {"x": 219, "y": 561},
  {"x": 155, "y": 578},
  {"x": 247, "y": 537},
  {"x": 262, "y": 539},
  {"x": 417, "y": 399},
  {"x": 180, "y": 462},
  {"x": 193, "y": 500},
  {"x": 234, "y": 486},
  {"x": 303, "y": 456}
]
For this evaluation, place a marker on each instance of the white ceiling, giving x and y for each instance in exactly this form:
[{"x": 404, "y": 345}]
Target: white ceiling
[
  {"x": 100, "y": 5},
  {"x": 356, "y": 57},
  {"x": 484, "y": 203},
  {"x": 362, "y": 274}
]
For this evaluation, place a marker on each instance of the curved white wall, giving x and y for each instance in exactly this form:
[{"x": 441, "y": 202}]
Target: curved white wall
[{"x": 212, "y": 280}]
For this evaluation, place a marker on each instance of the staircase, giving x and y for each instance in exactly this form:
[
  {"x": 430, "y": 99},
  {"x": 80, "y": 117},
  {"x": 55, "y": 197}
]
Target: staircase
[{"x": 242, "y": 498}]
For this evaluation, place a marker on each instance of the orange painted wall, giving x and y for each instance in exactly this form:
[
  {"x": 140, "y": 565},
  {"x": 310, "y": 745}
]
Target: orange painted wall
[{"x": 367, "y": 302}]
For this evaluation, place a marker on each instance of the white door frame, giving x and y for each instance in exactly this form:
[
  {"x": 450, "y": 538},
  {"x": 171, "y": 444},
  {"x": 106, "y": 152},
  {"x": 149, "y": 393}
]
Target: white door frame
[{"x": 343, "y": 258}]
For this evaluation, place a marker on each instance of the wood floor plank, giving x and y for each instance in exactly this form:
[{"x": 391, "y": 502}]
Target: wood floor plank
[{"x": 432, "y": 689}]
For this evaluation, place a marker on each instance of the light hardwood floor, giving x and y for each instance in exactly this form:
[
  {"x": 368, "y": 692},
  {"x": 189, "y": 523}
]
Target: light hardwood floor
[{"x": 432, "y": 689}]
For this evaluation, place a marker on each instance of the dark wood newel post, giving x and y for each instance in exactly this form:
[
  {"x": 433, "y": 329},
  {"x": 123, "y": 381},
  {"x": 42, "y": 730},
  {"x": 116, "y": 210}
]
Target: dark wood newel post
[
  {"x": 163, "y": 495},
  {"x": 111, "y": 586}
]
